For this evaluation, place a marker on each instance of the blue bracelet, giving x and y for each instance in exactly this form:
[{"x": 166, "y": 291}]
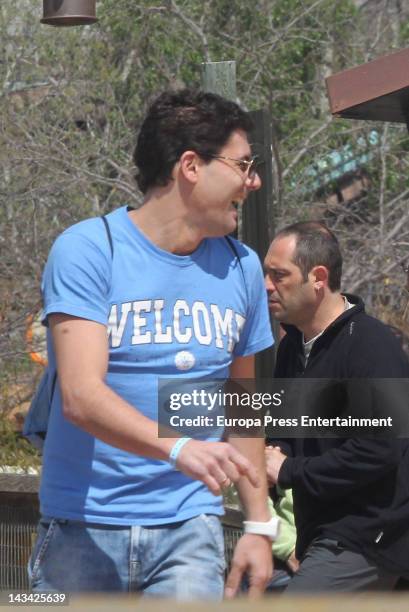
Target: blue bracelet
[{"x": 176, "y": 448}]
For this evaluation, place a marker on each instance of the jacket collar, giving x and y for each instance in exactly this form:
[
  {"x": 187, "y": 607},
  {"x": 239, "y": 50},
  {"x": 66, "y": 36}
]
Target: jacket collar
[{"x": 358, "y": 306}]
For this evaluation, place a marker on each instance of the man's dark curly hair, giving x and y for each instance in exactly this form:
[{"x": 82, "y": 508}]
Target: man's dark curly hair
[{"x": 181, "y": 121}]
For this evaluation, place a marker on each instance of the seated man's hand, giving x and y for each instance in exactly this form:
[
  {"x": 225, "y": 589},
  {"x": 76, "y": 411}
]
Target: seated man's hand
[
  {"x": 274, "y": 461},
  {"x": 292, "y": 562}
]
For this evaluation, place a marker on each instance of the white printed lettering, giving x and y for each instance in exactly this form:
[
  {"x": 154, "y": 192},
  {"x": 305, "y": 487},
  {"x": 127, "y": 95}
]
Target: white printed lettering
[
  {"x": 161, "y": 337},
  {"x": 199, "y": 311},
  {"x": 140, "y": 322},
  {"x": 222, "y": 325},
  {"x": 181, "y": 336},
  {"x": 114, "y": 330}
]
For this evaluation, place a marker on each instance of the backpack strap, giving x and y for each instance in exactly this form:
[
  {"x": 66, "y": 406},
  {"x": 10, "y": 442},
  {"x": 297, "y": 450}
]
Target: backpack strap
[
  {"x": 42, "y": 434},
  {"x": 109, "y": 235},
  {"x": 232, "y": 246},
  {"x": 229, "y": 240},
  {"x": 53, "y": 383}
]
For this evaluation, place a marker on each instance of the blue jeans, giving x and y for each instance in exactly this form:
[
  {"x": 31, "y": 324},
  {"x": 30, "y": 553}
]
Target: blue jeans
[{"x": 182, "y": 560}]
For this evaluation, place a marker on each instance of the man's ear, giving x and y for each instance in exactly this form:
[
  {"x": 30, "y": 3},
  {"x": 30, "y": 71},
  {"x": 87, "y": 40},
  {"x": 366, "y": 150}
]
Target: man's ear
[
  {"x": 189, "y": 165},
  {"x": 320, "y": 276}
]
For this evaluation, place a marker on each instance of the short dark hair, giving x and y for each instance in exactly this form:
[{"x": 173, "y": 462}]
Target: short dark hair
[
  {"x": 316, "y": 245},
  {"x": 179, "y": 121}
]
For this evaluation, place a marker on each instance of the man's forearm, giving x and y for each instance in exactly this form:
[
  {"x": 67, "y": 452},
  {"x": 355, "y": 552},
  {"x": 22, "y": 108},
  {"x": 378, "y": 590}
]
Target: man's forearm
[
  {"x": 254, "y": 500},
  {"x": 101, "y": 412},
  {"x": 253, "y": 551}
]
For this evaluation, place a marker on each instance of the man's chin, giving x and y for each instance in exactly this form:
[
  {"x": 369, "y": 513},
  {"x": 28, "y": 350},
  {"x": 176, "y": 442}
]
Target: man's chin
[
  {"x": 221, "y": 231},
  {"x": 276, "y": 311},
  {"x": 279, "y": 316}
]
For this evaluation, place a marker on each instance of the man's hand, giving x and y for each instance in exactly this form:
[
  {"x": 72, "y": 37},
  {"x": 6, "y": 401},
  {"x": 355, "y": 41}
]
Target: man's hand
[
  {"x": 254, "y": 557},
  {"x": 292, "y": 562},
  {"x": 274, "y": 461},
  {"x": 216, "y": 464}
]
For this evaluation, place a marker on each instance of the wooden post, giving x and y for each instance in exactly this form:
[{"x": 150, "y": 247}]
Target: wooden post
[
  {"x": 220, "y": 78},
  {"x": 257, "y": 214},
  {"x": 257, "y": 211}
]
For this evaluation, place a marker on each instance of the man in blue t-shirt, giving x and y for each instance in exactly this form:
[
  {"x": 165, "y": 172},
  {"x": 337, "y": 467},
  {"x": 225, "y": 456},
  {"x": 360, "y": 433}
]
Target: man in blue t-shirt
[{"x": 159, "y": 293}]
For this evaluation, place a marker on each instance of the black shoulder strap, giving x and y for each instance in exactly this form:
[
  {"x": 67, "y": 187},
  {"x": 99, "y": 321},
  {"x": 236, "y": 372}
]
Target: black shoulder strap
[
  {"x": 109, "y": 235},
  {"x": 53, "y": 384},
  {"x": 231, "y": 244}
]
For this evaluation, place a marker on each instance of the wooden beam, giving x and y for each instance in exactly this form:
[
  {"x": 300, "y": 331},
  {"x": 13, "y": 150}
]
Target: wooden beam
[
  {"x": 377, "y": 90},
  {"x": 19, "y": 483}
]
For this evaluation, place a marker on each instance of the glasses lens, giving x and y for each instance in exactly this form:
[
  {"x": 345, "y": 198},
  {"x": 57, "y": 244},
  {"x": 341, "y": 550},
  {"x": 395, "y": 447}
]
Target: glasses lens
[
  {"x": 255, "y": 162},
  {"x": 244, "y": 165}
]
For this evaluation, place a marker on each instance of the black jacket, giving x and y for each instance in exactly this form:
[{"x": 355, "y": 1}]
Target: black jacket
[{"x": 354, "y": 490}]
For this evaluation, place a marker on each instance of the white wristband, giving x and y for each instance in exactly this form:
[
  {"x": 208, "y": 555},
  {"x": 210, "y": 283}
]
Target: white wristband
[
  {"x": 271, "y": 528},
  {"x": 176, "y": 448}
]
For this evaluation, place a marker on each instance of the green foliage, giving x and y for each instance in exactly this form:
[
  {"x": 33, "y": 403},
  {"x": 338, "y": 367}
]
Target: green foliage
[
  {"x": 404, "y": 30},
  {"x": 73, "y": 99},
  {"x": 15, "y": 450}
]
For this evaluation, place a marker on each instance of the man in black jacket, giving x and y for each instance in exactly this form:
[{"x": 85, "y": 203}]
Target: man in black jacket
[{"x": 351, "y": 494}]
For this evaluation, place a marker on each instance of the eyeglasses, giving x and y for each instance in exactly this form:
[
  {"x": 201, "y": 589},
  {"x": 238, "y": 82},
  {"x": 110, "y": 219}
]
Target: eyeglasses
[{"x": 247, "y": 166}]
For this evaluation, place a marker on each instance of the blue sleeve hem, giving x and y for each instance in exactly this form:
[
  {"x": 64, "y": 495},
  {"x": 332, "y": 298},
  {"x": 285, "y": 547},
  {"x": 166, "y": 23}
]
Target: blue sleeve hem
[{"x": 75, "y": 311}]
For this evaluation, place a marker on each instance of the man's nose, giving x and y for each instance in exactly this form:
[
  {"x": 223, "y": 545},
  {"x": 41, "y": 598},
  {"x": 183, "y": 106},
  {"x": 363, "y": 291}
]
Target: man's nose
[
  {"x": 253, "y": 182},
  {"x": 268, "y": 283}
]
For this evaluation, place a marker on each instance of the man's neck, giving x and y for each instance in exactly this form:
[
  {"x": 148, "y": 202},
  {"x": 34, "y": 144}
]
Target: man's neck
[
  {"x": 329, "y": 309},
  {"x": 163, "y": 220}
]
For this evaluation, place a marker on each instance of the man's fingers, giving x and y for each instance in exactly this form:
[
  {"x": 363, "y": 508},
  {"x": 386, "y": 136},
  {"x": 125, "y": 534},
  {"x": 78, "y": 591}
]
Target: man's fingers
[
  {"x": 216, "y": 464},
  {"x": 253, "y": 477},
  {"x": 256, "y": 590},
  {"x": 233, "y": 582},
  {"x": 212, "y": 484},
  {"x": 270, "y": 449},
  {"x": 222, "y": 479},
  {"x": 234, "y": 465},
  {"x": 245, "y": 468},
  {"x": 225, "y": 483},
  {"x": 227, "y": 469}
]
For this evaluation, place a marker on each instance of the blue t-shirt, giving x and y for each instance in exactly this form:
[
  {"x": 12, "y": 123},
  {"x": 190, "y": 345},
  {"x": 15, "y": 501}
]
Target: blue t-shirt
[{"x": 167, "y": 315}]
